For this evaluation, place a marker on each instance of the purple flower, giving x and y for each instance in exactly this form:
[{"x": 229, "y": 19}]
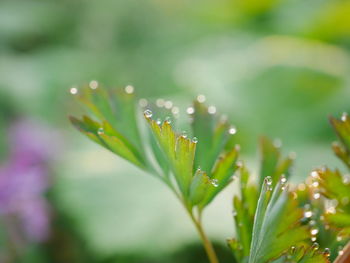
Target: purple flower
[{"x": 24, "y": 179}]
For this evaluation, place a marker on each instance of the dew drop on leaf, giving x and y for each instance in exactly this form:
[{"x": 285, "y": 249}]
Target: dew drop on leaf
[
  {"x": 93, "y": 84},
  {"x": 168, "y": 119},
  {"x": 194, "y": 139},
  {"x": 201, "y": 98},
  {"x": 308, "y": 214},
  {"x": 211, "y": 109},
  {"x": 344, "y": 116},
  {"x": 317, "y": 195},
  {"x": 268, "y": 180},
  {"x": 190, "y": 110},
  {"x": 292, "y": 249},
  {"x": 315, "y": 246},
  {"x": 101, "y": 131},
  {"x": 215, "y": 182},
  {"x": 327, "y": 252},
  {"x": 232, "y": 130},
  {"x": 148, "y": 113},
  {"x": 314, "y": 174},
  {"x": 340, "y": 251},
  {"x": 314, "y": 231},
  {"x": 129, "y": 89},
  {"x": 73, "y": 90}
]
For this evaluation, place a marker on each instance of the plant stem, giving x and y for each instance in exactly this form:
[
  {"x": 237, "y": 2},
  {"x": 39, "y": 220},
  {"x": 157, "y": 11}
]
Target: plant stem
[
  {"x": 206, "y": 242},
  {"x": 345, "y": 257}
]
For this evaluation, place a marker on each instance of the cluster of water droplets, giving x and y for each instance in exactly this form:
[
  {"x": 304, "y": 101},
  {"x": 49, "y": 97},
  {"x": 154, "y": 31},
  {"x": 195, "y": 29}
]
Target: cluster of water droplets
[
  {"x": 268, "y": 181},
  {"x": 214, "y": 182},
  {"x": 314, "y": 183},
  {"x": 283, "y": 181}
]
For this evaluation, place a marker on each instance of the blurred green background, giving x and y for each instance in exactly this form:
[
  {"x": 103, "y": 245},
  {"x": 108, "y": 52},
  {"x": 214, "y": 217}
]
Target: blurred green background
[{"x": 276, "y": 68}]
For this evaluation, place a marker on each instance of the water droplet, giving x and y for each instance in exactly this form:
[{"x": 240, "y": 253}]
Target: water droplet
[
  {"x": 283, "y": 179},
  {"x": 190, "y": 110},
  {"x": 330, "y": 210},
  {"x": 148, "y": 113},
  {"x": 314, "y": 174},
  {"x": 93, "y": 84},
  {"x": 340, "y": 251},
  {"x": 184, "y": 134},
  {"x": 201, "y": 98},
  {"x": 314, "y": 231},
  {"x": 194, "y": 139},
  {"x": 143, "y": 103},
  {"x": 315, "y": 184},
  {"x": 129, "y": 89},
  {"x": 327, "y": 252},
  {"x": 308, "y": 214},
  {"x": 160, "y": 102},
  {"x": 317, "y": 195},
  {"x": 339, "y": 238},
  {"x": 344, "y": 116},
  {"x": 268, "y": 180},
  {"x": 232, "y": 130},
  {"x": 168, "y": 104},
  {"x": 100, "y": 131},
  {"x": 215, "y": 182},
  {"x": 211, "y": 109},
  {"x": 73, "y": 90},
  {"x": 312, "y": 223},
  {"x": 313, "y": 239},
  {"x": 315, "y": 246},
  {"x": 292, "y": 249},
  {"x": 159, "y": 122},
  {"x": 168, "y": 120}
]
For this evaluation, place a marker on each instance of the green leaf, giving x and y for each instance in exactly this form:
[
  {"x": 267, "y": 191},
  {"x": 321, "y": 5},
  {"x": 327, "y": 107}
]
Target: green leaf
[
  {"x": 277, "y": 224},
  {"x": 304, "y": 255},
  {"x": 334, "y": 187},
  {"x": 244, "y": 211},
  {"x": 342, "y": 129},
  {"x": 199, "y": 187},
  {"x": 179, "y": 151},
  {"x": 222, "y": 174}
]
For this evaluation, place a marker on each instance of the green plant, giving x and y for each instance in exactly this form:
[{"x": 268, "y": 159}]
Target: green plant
[{"x": 271, "y": 224}]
